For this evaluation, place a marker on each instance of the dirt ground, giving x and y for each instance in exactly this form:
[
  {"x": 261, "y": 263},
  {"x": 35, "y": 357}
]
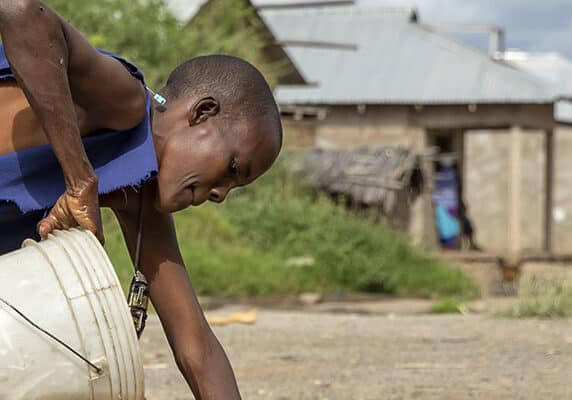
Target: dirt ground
[{"x": 380, "y": 350}]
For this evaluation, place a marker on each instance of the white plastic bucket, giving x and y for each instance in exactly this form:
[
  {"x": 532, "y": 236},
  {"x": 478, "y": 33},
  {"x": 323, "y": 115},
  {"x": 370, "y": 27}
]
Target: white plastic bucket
[{"x": 68, "y": 287}]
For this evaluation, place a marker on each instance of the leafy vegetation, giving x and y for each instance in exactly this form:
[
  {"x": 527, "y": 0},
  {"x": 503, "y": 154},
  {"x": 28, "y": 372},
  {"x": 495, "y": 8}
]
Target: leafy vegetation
[
  {"x": 247, "y": 247},
  {"x": 143, "y": 32},
  {"x": 146, "y": 33},
  {"x": 448, "y": 306}
]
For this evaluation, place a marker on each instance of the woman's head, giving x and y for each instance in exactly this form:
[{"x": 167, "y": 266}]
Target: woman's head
[{"x": 220, "y": 129}]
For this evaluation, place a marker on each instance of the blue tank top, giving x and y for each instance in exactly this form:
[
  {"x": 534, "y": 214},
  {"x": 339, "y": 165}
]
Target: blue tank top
[{"x": 31, "y": 180}]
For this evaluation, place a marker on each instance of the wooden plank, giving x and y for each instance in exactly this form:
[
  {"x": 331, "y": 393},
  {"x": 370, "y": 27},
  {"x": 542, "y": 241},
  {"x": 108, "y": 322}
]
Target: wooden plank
[
  {"x": 431, "y": 238},
  {"x": 470, "y": 256},
  {"x": 485, "y": 116},
  {"x": 305, "y": 4},
  {"x": 549, "y": 189},
  {"x": 515, "y": 192},
  {"x": 319, "y": 44},
  {"x": 493, "y": 257}
]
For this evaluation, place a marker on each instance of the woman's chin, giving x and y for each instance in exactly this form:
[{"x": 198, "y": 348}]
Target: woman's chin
[
  {"x": 198, "y": 202},
  {"x": 169, "y": 207}
]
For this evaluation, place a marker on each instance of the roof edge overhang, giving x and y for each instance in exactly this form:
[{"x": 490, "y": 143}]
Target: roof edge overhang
[
  {"x": 563, "y": 97},
  {"x": 415, "y": 103}
]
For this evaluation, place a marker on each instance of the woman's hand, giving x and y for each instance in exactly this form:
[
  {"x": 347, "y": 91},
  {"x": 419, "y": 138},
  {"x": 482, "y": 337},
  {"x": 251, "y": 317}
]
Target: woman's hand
[{"x": 77, "y": 207}]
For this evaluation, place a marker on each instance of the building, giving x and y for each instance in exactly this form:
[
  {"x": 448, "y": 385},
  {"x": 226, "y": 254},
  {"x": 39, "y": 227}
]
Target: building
[
  {"x": 555, "y": 70},
  {"x": 377, "y": 77},
  {"x": 380, "y": 78}
]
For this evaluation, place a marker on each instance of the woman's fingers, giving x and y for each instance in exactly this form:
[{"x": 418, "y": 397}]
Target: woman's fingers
[
  {"x": 85, "y": 211},
  {"x": 58, "y": 218},
  {"x": 71, "y": 211}
]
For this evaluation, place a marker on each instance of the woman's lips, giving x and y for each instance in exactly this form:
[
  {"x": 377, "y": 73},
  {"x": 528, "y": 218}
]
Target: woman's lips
[
  {"x": 194, "y": 200},
  {"x": 184, "y": 195},
  {"x": 192, "y": 188}
]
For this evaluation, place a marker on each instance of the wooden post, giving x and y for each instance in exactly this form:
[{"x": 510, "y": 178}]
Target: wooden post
[
  {"x": 422, "y": 225},
  {"x": 431, "y": 239},
  {"x": 429, "y": 223},
  {"x": 549, "y": 190},
  {"x": 515, "y": 193}
]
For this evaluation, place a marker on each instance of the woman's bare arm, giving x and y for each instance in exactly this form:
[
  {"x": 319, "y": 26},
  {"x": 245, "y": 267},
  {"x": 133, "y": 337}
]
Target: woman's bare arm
[
  {"x": 198, "y": 353},
  {"x": 56, "y": 67}
]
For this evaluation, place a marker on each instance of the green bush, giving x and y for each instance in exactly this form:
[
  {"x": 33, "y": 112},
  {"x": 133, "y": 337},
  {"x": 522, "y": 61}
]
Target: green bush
[
  {"x": 246, "y": 247},
  {"x": 280, "y": 216},
  {"x": 146, "y": 33}
]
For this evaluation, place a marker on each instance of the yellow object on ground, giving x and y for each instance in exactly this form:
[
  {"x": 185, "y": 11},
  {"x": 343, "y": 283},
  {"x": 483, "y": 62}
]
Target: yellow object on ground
[{"x": 248, "y": 317}]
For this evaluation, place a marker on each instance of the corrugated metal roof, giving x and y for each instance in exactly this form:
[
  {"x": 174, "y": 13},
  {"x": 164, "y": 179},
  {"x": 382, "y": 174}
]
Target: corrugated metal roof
[
  {"x": 396, "y": 62},
  {"x": 551, "y": 67},
  {"x": 554, "y": 69}
]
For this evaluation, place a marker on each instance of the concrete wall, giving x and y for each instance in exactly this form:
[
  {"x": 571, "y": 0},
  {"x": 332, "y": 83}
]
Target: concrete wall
[
  {"x": 346, "y": 128},
  {"x": 533, "y": 190},
  {"x": 299, "y": 134},
  {"x": 486, "y": 187},
  {"x": 352, "y": 126},
  {"x": 562, "y": 204},
  {"x": 485, "y": 166}
]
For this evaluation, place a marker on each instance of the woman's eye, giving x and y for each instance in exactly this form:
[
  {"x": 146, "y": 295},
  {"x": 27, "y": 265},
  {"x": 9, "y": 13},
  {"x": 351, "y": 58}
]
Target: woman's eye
[{"x": 233, "y": 167}]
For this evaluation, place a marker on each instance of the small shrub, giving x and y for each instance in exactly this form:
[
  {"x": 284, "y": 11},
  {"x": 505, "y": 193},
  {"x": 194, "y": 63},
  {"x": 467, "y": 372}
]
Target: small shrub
[
  {"x": 548, "y": 296},
  {"x": 448, "y": 306},
  {"x": 279, "y": 214}
]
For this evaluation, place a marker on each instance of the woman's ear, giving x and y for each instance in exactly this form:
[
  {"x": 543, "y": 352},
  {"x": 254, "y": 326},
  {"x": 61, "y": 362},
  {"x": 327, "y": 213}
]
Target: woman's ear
[{"x": 202, "y": 110}]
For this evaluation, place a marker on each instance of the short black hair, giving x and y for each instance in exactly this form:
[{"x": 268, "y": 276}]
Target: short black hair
[{"x": 239, "y": 87}]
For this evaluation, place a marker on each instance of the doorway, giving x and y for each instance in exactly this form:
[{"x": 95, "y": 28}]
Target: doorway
[{"x": 454, "y": 228}]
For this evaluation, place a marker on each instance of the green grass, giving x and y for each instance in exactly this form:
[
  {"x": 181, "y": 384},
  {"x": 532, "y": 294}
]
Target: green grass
[
  {"x": 448, "y": 306},
  {"x": 546, "y": 296},
  {"x": 242, "y": 247},
  {"x": 116, "y": 249}
]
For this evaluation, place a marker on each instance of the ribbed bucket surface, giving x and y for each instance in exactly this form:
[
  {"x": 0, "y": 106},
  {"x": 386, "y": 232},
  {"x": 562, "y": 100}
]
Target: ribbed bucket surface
[{"x": 66, "y": 285}]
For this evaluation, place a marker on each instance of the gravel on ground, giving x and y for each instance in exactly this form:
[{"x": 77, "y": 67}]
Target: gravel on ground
[{"x": 333, "y": 352}]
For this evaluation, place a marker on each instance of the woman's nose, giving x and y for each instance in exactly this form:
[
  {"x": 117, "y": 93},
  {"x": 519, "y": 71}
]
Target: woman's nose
[{"x": 218, "y": 195}]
